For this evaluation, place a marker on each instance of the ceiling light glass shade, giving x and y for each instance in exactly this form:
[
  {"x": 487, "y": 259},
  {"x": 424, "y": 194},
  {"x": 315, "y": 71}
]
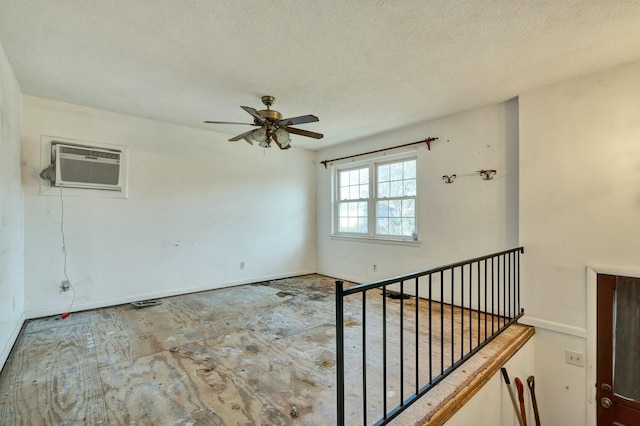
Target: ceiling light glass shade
[
  {"x": 283, "y": 138},
  {"x": 259, "y": 135},
  {"x": 264, "y": 144}
]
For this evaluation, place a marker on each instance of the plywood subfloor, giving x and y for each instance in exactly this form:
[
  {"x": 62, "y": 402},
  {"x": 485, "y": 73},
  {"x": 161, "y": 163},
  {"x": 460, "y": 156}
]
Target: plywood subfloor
[{"x": 247, "y": 355}]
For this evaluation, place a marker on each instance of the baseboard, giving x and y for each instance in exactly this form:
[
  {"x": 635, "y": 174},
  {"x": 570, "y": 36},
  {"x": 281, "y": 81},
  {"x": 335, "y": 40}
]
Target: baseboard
[
  {"x": 157, "y": 295},
  {"x": 554, "y": 326},
  {"x": 12, "y": 340},
  {"x": 340, "y": 277}
]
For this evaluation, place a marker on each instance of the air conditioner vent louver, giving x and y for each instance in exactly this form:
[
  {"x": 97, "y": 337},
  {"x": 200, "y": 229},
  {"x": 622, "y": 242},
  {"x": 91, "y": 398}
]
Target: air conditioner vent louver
[{"x": 88, "y": 167}]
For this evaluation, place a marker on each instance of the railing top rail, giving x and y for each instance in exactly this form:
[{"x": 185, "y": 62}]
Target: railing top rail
[{"x": 377, "y": 284}]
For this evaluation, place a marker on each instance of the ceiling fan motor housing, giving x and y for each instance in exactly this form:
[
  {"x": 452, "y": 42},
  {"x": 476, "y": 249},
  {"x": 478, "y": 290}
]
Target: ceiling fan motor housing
[{"x": 270, "y": 115}]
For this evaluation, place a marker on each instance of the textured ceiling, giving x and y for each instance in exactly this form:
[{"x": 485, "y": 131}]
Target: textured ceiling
[{"x": 362, "y": 67}]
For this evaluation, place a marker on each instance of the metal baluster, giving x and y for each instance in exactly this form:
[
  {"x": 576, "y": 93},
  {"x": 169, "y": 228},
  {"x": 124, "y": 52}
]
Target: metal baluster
[
  {"x": 441, "y": 321},
  {"x": 364, "y": 357},
  {"x": 470, "y": 303},
  {"x": 340, "y": 352},
  {"x": 452, "y": 317},
  {"x": 417, "y": 332},
  {"x": 401, "y": 342},
  {"x": 496, "y": 297},
  {"x": 504, "y": 290},
  {"x": 384, "y": 350},
  {"x": 486, "y": 306},
  {"x": 430, "y": 334},
  {"x": 508, "y": 285},
  {"x": 519, "y": 306},
  {"x": 478, "y": 305},
  {"x": 461, "y": 311}
]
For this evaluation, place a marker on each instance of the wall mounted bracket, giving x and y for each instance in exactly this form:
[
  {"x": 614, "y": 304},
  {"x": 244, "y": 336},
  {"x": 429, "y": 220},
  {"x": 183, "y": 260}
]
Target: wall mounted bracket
[{"x": 487, "y": 174}]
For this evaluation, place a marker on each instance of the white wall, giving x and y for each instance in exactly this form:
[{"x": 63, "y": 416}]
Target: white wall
[
  {"x": 11, "y": 212},
  {"x": 197, "y": 206},
  {"x": 465, "y": 219},
  {"x": 579, "y": 206},
  {"x": 492, "y": 406}
]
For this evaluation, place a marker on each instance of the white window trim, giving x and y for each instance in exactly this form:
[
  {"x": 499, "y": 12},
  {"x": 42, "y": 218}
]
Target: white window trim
[{"x": 372, "y": 162}]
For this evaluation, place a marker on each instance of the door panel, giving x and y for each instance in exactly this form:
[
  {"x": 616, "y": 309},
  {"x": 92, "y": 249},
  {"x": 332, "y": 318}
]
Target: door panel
[{"x": 618, "y": 343}]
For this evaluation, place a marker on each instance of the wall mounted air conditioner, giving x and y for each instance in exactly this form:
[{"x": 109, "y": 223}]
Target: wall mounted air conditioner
[{"x": 80, "y": 166}]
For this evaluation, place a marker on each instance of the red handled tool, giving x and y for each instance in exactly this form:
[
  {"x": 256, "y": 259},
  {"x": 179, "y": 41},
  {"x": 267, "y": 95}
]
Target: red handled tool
[{"x": 520, "y": 389}]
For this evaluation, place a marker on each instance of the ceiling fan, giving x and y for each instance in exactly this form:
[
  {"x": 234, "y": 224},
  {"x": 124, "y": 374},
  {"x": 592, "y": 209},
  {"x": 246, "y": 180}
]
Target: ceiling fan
[{"x": 272, "y": 127}]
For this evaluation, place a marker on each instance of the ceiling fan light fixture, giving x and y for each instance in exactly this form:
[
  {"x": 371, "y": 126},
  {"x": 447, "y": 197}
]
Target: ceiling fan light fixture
[
  {"x": 259, "y": 135},
  {"x": 283, "y": 138},
  {"x": 264, "y": 144}
]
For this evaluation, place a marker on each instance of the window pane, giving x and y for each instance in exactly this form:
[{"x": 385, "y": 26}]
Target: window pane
[
  {"x": 408, "y": 226},
  {"x": 383, "y": 190},
  {"x": 396, "y": 189},
  {"x": 364, "y": 176},
  {"x": 383, "y": 173},
  {"x": 352, "y": 216},
  {"x": 408, "y": 208},
  {"x": 364, "y": 191},
  {"x": 410, "y": 188},
  {"x": 344, "y": 178},
  {"x": 395, "y": 171},
  {"x": 362, "y": 209},
  {"x": 395, "y": 226},
  {"x": 344, "y": 193},
  {"x": 395, "y": 208},
  {"x": 354, "y": 192},
  {"x": 409, "y": 169},
  {"x": 354, "y": 177},
  {"x": 382, "y": 227},
  {"x": 382, "y": 209}
]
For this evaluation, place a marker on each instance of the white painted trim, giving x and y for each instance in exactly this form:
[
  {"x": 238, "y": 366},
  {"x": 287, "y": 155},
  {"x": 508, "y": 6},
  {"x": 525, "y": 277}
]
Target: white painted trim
[
  {"x": 558, "y": 327},
  {"x": 157, "y": 295},
  {"x": 341, "y": 277},
  {"x": 375, "y": 240},
  {"x": 592, "y": 326},
  {"x": 12, "y": 340}
]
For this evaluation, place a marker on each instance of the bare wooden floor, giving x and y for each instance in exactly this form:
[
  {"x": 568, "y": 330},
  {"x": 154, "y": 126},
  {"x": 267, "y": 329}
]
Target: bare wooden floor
[{"x": 238, "y": 356}]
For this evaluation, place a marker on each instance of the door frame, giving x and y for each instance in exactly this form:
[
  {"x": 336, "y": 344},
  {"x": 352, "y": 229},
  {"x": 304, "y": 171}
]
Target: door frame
[{"x": 592, "y": 324}]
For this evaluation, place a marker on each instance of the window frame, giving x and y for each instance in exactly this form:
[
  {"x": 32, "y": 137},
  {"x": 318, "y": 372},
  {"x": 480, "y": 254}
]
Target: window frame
[{"x": 372, "y": 164}]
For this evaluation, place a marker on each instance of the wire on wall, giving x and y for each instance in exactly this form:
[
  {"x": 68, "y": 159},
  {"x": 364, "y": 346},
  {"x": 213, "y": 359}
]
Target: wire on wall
[{"x": 64, "y": 251}]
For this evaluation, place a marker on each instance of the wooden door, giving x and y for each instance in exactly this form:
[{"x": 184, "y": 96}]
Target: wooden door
[{"x": 618, "y": 345}]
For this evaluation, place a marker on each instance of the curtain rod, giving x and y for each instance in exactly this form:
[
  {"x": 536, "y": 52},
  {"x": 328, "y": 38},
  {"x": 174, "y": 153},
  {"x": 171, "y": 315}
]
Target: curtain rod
[{"x": 427, "y": 141}]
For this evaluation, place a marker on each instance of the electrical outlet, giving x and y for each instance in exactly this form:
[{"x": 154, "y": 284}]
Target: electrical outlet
[
  {"x": 64, "y": 285},
  {"x": 574, "y": 358},
  {"x": 241, "y": 265},
  {"x": 375, "y": 267}
]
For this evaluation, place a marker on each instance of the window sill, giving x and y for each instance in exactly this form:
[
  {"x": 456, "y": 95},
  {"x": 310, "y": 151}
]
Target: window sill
[{"x": 367, "y": 239}]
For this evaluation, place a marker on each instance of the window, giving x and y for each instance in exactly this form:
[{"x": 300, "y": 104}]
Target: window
[{"x": 377, "y": 199}]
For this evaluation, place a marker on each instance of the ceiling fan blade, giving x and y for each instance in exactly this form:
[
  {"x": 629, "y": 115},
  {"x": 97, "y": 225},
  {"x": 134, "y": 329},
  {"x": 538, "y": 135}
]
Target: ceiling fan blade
[
  {"x": 304, "y": 133},
  {"x": 299, "y": 120},
  {"x": 242, "y": 136},
  {"x": 254, "y": 112},
  {"x": 228, "y": 122}
]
